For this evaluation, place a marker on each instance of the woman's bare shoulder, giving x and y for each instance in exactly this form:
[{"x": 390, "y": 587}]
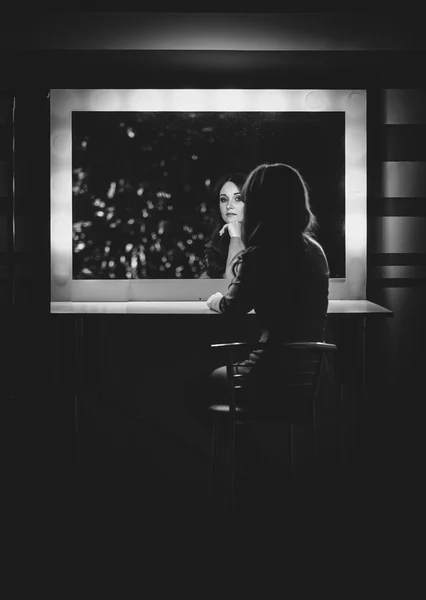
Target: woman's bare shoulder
[
  {"x": 315, "y": 246},
  {"x": 316, "y": 251}
]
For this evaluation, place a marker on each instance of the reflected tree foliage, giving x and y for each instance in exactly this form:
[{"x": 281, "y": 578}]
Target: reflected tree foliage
[{"x": 142, "y": 181}]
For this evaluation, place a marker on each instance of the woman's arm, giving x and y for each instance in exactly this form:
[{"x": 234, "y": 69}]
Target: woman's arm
[
  {"x": 240, "y": 297},
  {"x": 235, "y": 247}
]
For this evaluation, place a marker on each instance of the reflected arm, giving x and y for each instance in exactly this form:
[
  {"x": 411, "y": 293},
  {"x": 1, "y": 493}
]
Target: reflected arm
[{"x": 235, "y": 247}]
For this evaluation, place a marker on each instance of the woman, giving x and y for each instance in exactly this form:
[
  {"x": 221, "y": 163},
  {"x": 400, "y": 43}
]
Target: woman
[
  {"x": 228, "y": 213},
  {"x": 282, "y": 273}
]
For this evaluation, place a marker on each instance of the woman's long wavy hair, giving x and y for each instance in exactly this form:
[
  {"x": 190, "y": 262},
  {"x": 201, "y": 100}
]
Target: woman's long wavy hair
[{"x": 277, "y": 208}]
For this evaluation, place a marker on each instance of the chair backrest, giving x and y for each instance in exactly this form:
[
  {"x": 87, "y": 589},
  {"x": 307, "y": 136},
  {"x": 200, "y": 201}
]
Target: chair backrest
[{"x": 288, "y": 380}]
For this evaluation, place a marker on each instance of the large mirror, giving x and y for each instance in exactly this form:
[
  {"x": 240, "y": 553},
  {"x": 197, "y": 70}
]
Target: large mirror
[{"x": 136, "y": 179}]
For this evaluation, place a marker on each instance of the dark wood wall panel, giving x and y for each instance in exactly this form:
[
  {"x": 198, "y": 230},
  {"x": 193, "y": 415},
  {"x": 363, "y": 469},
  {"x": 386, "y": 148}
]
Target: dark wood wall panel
[
  {"x": 405, "y": 258},
  {"x": 6, "y": 198},
  {"x": 405, "y": 106},
  {"x": 32, "y": 198},
  {"x": 404, "y": 142},
  {"x": 397, "y": 207}
]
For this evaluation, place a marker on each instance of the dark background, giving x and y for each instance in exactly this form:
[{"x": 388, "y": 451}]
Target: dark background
[
  {"x": 156, "y": 220},
  {"x": 383, "y": 498}
]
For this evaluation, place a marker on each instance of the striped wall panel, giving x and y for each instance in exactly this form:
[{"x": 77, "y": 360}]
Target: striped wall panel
[
  {"x": 396, "y": 260},
  {"x": 397, "y": 217}
]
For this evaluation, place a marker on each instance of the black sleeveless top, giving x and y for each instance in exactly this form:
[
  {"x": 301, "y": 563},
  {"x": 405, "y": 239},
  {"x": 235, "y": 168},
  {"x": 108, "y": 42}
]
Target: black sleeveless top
[{"x": 288, "y": 290}]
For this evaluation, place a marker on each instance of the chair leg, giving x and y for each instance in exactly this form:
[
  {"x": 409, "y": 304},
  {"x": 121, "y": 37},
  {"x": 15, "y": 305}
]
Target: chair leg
[
  {"x": 77, "y": 430},
  {"x": 215, "y": 439},
  {"x": 232, "y": 463},
  {"x": 291, "y": 445},
  {"x": 314, "y": 439},
  {"x": 338, "y": 417}
]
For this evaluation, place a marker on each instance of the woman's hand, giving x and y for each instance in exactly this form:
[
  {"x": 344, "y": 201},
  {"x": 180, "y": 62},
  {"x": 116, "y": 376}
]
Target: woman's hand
[
  {"x": 234, "y": 229},
  {"x": 214, "y": 301}
]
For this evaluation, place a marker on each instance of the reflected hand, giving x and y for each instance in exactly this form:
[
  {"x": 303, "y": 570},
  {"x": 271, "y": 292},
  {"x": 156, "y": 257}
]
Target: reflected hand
[
  {"x": 234, "y": 229},
  {"x": 214, "y": 301}
]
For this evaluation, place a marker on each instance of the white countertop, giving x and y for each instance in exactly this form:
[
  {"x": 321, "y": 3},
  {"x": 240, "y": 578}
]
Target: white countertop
[{"x": 335, "y": 307}]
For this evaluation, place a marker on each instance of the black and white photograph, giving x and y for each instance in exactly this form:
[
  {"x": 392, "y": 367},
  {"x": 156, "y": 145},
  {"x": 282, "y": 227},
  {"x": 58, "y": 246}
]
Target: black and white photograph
[{"x": 212, "y": 296}]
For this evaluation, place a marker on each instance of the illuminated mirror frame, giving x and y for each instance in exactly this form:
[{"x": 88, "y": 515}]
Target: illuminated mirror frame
[{"x": 65, "y": 101}]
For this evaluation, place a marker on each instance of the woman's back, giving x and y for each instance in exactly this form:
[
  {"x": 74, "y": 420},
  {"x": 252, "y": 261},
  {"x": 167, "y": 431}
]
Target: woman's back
[
  {"x": 291, "y": 297},
  {"x": 288, "y": 288}
]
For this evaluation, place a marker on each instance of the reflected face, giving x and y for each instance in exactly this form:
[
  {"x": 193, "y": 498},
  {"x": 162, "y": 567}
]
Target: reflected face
[{"x": 230, "y": 202}]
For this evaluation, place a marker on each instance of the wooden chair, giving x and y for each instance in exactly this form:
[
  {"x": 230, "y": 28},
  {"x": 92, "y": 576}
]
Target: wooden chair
[{"x": 291, "y": 399}]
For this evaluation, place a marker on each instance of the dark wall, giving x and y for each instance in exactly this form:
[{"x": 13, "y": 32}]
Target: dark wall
[{"x": 228, "y": 30}]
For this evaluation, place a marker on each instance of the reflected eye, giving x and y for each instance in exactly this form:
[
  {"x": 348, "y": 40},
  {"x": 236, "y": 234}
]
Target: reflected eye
[{"x": 223, "y": 199}]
